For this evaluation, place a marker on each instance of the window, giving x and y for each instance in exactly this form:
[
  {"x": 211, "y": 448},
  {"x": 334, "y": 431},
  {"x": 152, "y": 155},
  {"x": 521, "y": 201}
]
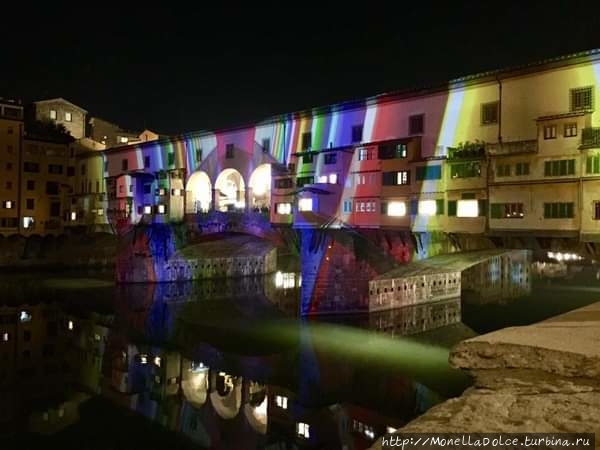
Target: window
[
  {"x": 123, "y": 139},
  {"x": 550, "y": 132},
  {"x": 7, "y": 204},
  {"x": 395, "y": 178},
  {"x": 522, "y": 168},
  {"x": 465, "y": 170},
  {"x": 176, "y": 192},
  {"x": 429, "y": 172},
  {"x": 331, "y": 158},
  {"x": 396, "y": 209},
  {"x": 558, "y": 210},
  {"x": 53, "y": 114},
  {"x": 125, "y": 165},
  {"x": 280, "y": 401},
  {"x": 283, "y": 183},
  {"x": 357, "y": 133},
  {"x": 570, "y": 130},
  {"x": 51, "y": 188},
  {"x": 170, "y": 158},
  {"x": 283, "y": 208},
  {"x": 146, "y": 162},
  {"x": 347, "y": 206},
  {"x": 28, "y": 222},
  {"x": 70, "y": 171},
  {"x": 147, "y": 188},
  {"x": 560, "y": 167},
  {"x": 73, "y": 216},
  {"x": 68, "y": 117},
  {"x": 198, "y": 154},
  {"x": 9, "y": 130},
  {"x": 27, "y": 335},
  {"x": 467, "y": 208},
  {"x": 365, "y": 154},
  {"x": 147, "y": 209},
  {"x": 161, "y": 209},
  {"x": 303, "y": 430},
  {"x": 392, "y": 151},
  {"x": 308, "y": 158},
  {"x": 30, "y": 203},
  {"x": 452, "y": 207},
  {"x": 489, "y": 113},
  {"x": 503, "y": 170},
  {"x": 266, "y": 145},
  {"x": 427, "y": 208},
  {"x": 97, "y": 186},
  {"x": 506, "y": 211},
  {"x": 25, "y": 316},
  {"x": 306, "y": 140},
  {"x": 55, "y": 209},
  {"x": 333, "y": 178},
  {"x": 597, "y": 210},
  {"x": 301, "y": 181},
  {"x": 582, "y": 99},
  {"x": 55, "y": 169},
  {"x": 305, "y": 204},
  {"x": 229, "y": 149},
  {"x": 31, "y": 167},
  {"x": 416, "y": 124},
  {"x": 8, "y": 166}
]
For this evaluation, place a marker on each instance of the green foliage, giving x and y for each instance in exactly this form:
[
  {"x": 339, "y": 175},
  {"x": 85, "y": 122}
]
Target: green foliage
[{"x": 48, "y": 130}]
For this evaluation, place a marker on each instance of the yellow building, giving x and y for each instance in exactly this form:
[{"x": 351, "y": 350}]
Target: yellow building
[{"x": 11, "y": 131}]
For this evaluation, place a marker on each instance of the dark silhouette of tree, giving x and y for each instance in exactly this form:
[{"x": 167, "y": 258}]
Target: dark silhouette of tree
[{"x": 48, "y": 130}]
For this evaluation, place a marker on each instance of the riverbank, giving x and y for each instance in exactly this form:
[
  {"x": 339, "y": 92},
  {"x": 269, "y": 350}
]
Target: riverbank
[{"x": 537, "y": 378}]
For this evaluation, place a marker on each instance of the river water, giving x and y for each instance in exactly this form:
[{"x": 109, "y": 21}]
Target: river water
[{"x": 225, "y": 364}]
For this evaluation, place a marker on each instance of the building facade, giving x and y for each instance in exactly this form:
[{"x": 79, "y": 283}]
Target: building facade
[
  {"x": 11, "y": 132},
  {"x": 62, "y": 112}
]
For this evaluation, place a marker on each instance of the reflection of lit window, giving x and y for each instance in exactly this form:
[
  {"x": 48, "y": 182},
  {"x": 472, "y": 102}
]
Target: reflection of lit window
[
  {"x": 427, "y": 208},
  {"x": 303, "y": 429},
  {"x": 284, "y": 208},
  {"x": 70, "y": 325},
  {"x": 467, "y": 208},
  {"x": 147, "y": 209},
  {"x": 144, "y": 358},
  {"x": 5, "y": 336},
  {"x": 281, "y": 401},
  {"x": 305, "y": 204},
  {"x": 396, "y": 209},
  {"x": 157, "y": 361},
  {"x": 25, "y": 316},
  {"x": 285, "y": 280}
]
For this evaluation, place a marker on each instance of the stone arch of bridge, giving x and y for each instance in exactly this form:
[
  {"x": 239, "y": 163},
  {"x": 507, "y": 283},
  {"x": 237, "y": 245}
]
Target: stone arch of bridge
[
  {"x": 230, "y": 191},
  {"x": 199, "y": 192}
]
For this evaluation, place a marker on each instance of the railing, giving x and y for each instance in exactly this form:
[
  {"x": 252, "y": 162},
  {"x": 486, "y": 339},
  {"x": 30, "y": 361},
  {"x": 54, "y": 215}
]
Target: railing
[
  {"x": 590, "y": 137},
  {"x": 506, "y": 148}
]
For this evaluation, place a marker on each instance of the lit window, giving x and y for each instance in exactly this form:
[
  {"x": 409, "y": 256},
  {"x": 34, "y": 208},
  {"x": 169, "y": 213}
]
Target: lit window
[
  {"x": 570, "y": 130},
  {"x": 176, "y": 192},
  {"x": 70, "y": 325},
  {"x": 284, "y": 208},
  {"x": 427, "y": 208},
  {"x": 68, "y": 117},
  {"x": 333, "y": 178},
  {"x": 303, "y": 430},
  {"x": 305, "y": 204},
  {"x": 147, "y": 209},
  {"x": 123, "y": 139},
  {"x": 144, "y": 358},
  {"x": 162, "y": 191},
  {"x": 157, "y": 361},
  {"x": 100, "y": 212},
  {"x": 96, "y": 337},
  {"x": 322, "y": 179},
  {"x": 161, "y": 209},
  {"x": 73, "y": 216},
  {"x": 8, "y": 204},
  {"x": 550, "y": 132},
  {"x": 281, "y": 401},
  {"x": 467, "y": 208},
  {"x": 53, "y": 114},
  {"x": 5, "y": 336},
  {"x": 396, "y": 209},
  {"x": 28, "y": 222}
]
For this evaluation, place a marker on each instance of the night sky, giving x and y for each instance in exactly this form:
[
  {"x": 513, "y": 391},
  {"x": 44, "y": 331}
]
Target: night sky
[{"x": 175, "y": 69}]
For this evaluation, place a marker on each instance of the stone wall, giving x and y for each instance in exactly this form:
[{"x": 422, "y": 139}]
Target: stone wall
[
  {"x": 541, "y": 378},
  {"x": 85, "y": 250}
]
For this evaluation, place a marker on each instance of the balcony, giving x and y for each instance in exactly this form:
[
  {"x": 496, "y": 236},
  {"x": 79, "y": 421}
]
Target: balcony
[
  {"x": 512, "y": 148},
  {"x": 590, "y": 138}
]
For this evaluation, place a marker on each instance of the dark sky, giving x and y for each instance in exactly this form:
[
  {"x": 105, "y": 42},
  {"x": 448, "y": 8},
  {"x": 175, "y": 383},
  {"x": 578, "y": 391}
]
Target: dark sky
[{"x": 173, "y": 68}]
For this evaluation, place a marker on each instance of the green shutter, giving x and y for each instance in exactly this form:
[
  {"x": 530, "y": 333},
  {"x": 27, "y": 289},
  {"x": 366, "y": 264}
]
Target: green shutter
[
  {"x": 171, "y": 158},
  {"x": 483, "y": 207},
  {"x": 596, "y": 164},
  {"x": 570, "y": 210},
  {"x": 547, "y": 210},
  {"x": 562, "y": 210},
  {"x": 547, "y": 168},
  {"x": 588, "y": 164},
  {"x": 571, "y": 167},
  {"x": 451, "y": 207},
  {"x": 525, "y": 168},
  {"x": 439, "y": 207},
  {"x": 496, "y": 210},
  {"x": 518, "y": 169}
]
